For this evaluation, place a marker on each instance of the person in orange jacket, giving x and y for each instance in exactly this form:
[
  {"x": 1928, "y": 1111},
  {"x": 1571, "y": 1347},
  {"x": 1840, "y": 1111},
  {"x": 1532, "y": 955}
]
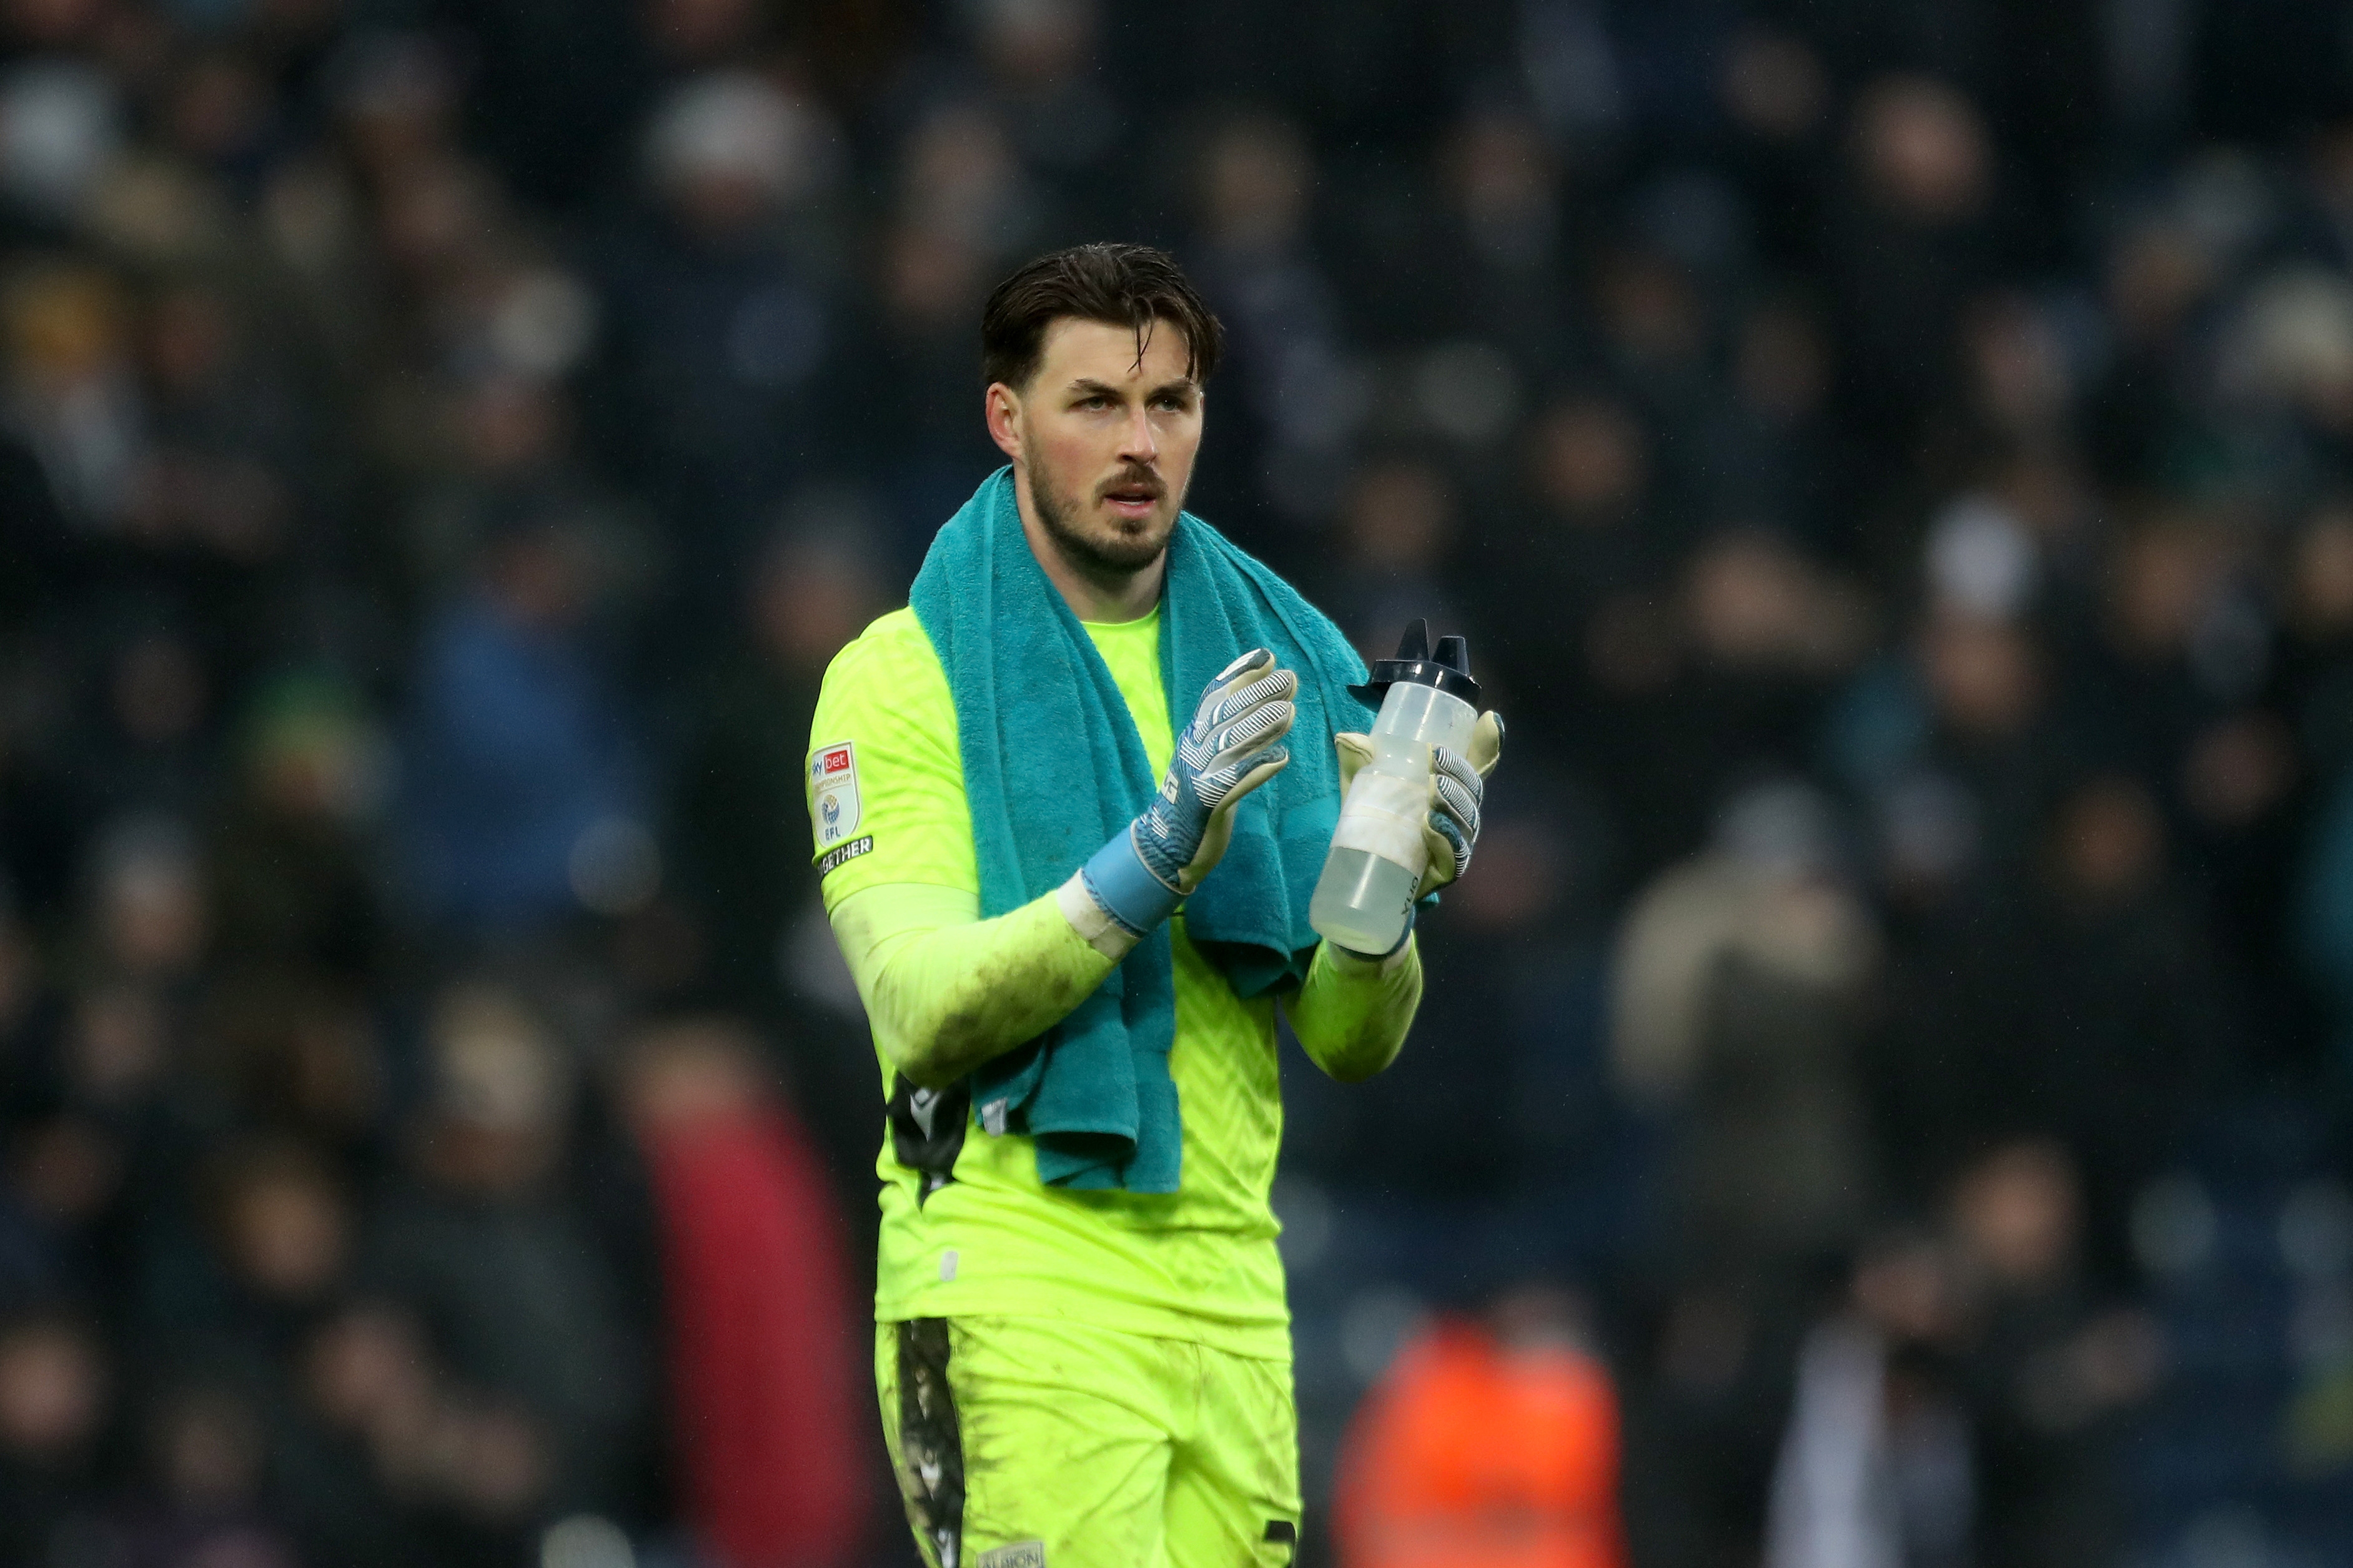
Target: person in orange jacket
[{"x": 1489, "y": 1443}]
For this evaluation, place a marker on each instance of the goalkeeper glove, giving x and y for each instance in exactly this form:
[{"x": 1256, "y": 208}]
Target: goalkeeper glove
[
  {"x": 1228, "y": 750},
  {"x": 1457, "y": 789}
]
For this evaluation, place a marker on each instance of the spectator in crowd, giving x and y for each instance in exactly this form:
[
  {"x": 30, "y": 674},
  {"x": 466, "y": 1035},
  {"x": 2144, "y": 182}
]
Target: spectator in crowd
[
  {"x": 1774, "y": 454},
  {"x": 362, "y": 1448},
  {"x": 1487, "y": 1442},
  {"x": 295, "y": 877},
  {"x": 205, "y": 1458},
  {"x": 2047, "y": 1371},
  {"x": 1497, "y": 248},
  {"x": 1914, "y": 238},
  {"x": 1738, "y": 981},
  {"x": 721, "y": 324},
  {"x": 1877, "y": 1464},
  {"x": 742, "y": 861},
  {"x": 1286, "y": 359},
  {"x": 518, "y": 748},
  {"x": 54, "y": 1405},
  {"x": 1397, "y": 535},
  {"x": 763, "y": 1358},
  {"x": 501, "y": 1266},
  {"x": 278, "y": 1236}
]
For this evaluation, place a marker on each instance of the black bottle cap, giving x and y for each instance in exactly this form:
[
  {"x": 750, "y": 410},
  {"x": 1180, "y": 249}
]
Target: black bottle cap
[{"x": 1448, "y": 670}]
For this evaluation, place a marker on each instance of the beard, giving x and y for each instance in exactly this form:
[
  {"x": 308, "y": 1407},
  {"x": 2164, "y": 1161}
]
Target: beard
[{"x": 1116, "y": 552}]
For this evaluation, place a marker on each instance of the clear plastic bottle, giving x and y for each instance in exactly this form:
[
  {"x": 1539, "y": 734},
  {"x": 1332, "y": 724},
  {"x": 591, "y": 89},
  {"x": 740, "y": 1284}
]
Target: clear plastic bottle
[{"x": 1365, "y": 896}]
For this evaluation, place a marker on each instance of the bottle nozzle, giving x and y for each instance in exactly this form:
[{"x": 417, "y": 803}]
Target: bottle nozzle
[{"x": 1449, "y": 670}]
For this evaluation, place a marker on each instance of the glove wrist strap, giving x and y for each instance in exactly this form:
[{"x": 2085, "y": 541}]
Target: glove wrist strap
[
  {"x": 1091, "y": 921},
  {"x": 1118, "y": 880}
]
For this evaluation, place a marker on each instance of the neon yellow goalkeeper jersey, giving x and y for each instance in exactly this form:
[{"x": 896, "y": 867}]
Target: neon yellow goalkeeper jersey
[{"x": 887, "y": 804}]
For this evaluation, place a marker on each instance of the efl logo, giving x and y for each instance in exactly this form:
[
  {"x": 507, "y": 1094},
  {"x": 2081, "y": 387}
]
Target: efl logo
[{"x": 833, "y": 792}]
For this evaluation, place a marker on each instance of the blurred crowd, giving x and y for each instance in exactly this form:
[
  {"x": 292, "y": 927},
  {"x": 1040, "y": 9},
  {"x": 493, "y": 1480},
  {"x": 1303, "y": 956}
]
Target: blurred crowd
[{"x": 1878, "y": 1098}]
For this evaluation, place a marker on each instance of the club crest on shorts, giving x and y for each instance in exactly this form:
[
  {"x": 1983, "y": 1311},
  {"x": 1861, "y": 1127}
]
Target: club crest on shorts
[{"x": 833, "y": 793}]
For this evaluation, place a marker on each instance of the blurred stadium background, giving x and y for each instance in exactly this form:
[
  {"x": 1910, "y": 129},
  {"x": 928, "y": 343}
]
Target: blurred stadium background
[{"x": 1880, "y": 1088}]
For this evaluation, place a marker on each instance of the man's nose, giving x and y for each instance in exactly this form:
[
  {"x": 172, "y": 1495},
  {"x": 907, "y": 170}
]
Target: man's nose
[{"x": 1138, "y": 442}]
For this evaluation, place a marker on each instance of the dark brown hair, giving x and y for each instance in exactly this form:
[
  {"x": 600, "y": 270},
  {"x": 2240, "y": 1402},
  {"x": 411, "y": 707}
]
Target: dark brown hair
[{"x": 1121, "y": 285}]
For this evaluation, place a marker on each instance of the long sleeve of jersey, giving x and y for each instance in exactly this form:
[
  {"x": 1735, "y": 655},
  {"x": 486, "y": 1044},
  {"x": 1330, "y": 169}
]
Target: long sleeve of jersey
[
  {"x": 1353, "y": 1013},
  {"x": 945, "y": 991}
]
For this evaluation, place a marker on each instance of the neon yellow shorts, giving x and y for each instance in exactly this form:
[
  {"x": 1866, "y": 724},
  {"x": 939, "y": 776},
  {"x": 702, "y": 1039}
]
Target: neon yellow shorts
[{"x": 1035, "y": 1443}]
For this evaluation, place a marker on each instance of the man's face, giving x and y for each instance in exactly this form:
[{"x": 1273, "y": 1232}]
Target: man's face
[{"x": 1105, "y": 440}]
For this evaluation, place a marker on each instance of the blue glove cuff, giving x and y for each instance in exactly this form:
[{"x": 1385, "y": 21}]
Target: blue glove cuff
[{"x": 1129, "y": 893}]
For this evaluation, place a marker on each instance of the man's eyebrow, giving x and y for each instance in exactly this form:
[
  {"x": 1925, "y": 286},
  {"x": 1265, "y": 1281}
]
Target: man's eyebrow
[{"x": 1088, "y": 386}]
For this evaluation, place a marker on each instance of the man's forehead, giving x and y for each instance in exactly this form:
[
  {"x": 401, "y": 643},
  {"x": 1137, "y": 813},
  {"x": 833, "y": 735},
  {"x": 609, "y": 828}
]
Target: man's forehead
[{"x": 1075, "y": 347}]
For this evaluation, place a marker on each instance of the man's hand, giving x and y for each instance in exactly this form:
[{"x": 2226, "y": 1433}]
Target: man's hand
[
  {"x": 1230, "y": 748},
  {"x": 1457, "y": 790}
]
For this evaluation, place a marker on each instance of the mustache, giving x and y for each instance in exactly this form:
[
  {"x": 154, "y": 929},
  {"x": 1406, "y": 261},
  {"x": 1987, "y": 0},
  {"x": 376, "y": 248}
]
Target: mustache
[{"x": 1135, "y": 479}]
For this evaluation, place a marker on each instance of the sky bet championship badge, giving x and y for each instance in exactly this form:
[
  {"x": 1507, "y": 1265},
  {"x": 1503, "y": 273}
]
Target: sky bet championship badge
[{"x": 833, "y": 804}]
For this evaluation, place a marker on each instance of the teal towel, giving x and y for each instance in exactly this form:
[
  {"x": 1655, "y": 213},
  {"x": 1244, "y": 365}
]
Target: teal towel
[{"x": 1053, "y": 767}]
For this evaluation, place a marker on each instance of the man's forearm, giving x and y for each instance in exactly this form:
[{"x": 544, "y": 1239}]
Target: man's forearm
[
  {"x": 946, "y": 991},
  {"x": 1351, "y": 1015}
]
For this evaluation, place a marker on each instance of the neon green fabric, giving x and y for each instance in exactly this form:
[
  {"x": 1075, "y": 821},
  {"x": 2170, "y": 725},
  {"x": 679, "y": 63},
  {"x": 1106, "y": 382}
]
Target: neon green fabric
[
  {"x": 1104, "y": 1449},
  {"x": 1196, "y": 1264},
  {"x": 923, "y": 956},
  {"x": 925, "y": 962}
]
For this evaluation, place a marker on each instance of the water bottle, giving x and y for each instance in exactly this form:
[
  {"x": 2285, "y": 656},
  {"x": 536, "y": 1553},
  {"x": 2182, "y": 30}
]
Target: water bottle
[{"x": 1364, "y": 897}]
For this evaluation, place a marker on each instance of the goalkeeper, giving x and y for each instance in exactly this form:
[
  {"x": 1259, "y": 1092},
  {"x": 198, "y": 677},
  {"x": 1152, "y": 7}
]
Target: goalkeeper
[{"x": 1069, "y": 806}]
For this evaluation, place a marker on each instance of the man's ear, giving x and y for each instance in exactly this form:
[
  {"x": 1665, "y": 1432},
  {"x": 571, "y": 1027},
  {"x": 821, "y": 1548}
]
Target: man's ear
[{"x": 1002, "y": 410}]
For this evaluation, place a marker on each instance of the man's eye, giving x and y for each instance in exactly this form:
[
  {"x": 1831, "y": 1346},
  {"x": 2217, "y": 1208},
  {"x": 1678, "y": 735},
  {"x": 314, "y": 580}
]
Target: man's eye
[{"x": 1098, "y": 401}]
